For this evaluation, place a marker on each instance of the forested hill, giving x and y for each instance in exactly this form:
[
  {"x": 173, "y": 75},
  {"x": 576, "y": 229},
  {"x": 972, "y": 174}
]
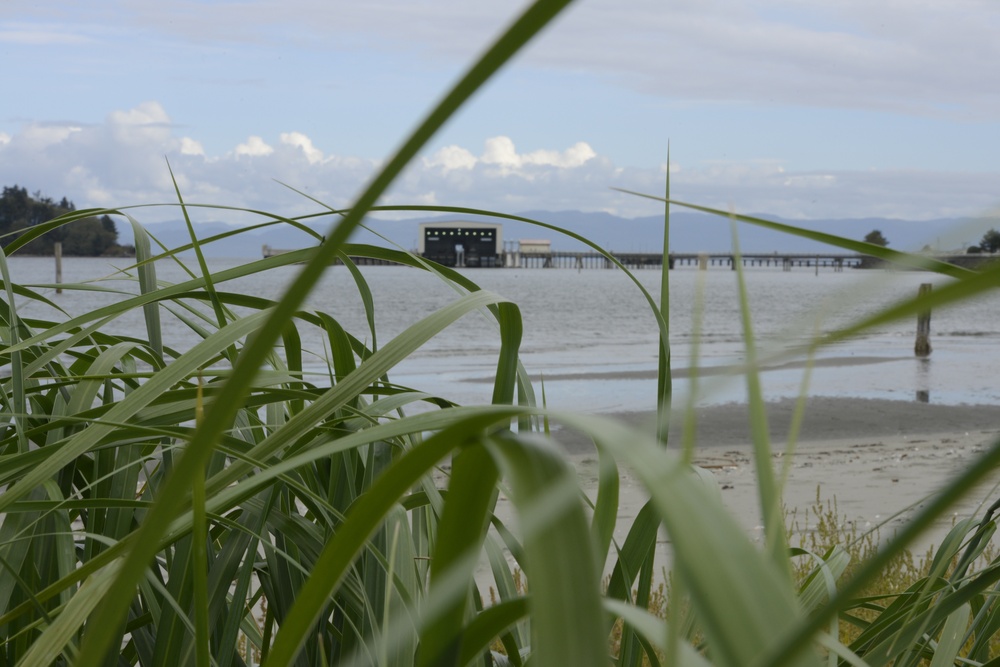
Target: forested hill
[{"x": 89, "y": 237}]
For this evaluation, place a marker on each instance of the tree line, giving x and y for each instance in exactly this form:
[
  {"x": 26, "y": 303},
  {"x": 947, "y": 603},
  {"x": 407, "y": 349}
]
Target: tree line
[
  {"x": 88, "y": 237},
  {"x": 990, "y": 243}
]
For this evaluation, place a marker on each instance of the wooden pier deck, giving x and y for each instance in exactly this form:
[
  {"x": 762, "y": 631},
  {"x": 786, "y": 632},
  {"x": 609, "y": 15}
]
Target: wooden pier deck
[{"x": 651, "y": 260}]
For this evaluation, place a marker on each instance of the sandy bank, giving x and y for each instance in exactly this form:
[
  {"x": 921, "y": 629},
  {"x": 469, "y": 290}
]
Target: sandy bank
[{"x": 878, "y": 459}]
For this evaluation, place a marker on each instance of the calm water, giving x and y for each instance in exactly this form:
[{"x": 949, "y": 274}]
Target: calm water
[{"x": 591, "y": 335}]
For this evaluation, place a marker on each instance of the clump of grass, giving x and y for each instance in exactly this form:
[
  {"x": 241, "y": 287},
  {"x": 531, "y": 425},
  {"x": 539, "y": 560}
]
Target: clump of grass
[
  {"x": 906, "y": 583},
  {"x": 825, "y": 529},
  {"x": 657, "y": 605}
]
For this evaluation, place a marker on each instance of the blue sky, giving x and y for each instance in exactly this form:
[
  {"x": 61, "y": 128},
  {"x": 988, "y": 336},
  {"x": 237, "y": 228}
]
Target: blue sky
[{"x": 801, "y": 109}]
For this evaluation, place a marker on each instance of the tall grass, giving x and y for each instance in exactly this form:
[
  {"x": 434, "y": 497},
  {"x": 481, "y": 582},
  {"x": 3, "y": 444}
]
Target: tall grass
[{"x": 218, "y": 505}]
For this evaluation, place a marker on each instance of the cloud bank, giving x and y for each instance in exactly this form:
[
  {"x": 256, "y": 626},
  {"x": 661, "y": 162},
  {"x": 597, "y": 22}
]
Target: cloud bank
[
  {"x": 901, "y": 56},
  {"x": 123, "y": 161}
]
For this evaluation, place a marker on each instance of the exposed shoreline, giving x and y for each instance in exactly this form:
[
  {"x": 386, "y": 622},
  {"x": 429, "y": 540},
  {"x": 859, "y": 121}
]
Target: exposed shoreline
[
  {"x": 702, "y": 371},
  {"x": 878, "y": 459},
  {"x": 824, "y": 419}
]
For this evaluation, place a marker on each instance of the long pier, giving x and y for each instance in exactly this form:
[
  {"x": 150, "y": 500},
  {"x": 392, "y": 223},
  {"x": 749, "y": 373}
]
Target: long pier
[{"x": 650, "y": 260}]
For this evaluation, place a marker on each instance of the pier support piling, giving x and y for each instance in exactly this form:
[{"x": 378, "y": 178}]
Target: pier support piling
[{"x": 922, "y": 348}]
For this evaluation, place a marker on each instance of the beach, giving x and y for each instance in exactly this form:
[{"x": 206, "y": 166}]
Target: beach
[{"x": 878, "y": 459}]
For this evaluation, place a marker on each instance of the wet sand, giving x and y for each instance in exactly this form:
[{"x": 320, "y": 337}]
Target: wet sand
[
  {"x": 878, "y": 459},
  {"x": 824, "y": 419},
  {"x": 706, "y": 371}
]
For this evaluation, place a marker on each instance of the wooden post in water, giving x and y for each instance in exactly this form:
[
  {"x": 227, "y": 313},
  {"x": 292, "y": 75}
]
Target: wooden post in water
[
  {"x": 57, "y": 251},
  {"x": 702, "y": 261},
  {"x": 922, "y": 348}
]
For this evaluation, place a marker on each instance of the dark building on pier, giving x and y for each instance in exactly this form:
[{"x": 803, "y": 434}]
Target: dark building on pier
[{"x": 461, "y": 243}]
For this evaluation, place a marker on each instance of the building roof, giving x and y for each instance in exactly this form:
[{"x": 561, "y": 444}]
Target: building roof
[{"x": 461, "y": 224}]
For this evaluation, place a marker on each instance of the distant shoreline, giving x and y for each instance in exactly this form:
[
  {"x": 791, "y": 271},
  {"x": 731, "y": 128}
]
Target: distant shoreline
[
  {"x": 130, "y": 252},
  {"x": 703, "y": 371}
]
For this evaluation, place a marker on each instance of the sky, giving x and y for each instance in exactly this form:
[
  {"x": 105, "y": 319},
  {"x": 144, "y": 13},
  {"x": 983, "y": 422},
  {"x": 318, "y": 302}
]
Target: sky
[{"x": 803, "y": 109}]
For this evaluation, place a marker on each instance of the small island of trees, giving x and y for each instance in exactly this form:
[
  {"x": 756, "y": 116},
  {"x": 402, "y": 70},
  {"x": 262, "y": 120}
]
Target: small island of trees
[
  {"x": 89, "y": 237},
  {"x": 990, "y": 243},
  {"x": 875, "y": 236}
]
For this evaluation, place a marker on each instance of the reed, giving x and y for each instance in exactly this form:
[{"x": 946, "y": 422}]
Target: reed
[{"x": 218, "y": 505}]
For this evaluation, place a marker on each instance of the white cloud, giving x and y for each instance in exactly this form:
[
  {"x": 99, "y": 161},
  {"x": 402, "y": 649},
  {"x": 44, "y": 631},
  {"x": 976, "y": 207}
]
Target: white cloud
[
  {"x": 501, "y": 151},
  {"x": 147, "y": 124},
  {"x": 305, "y": 144},
  {"x": 450, "y": 158},
  {"x": 146, "y": 114},
  {"x": 121, "y": 161},
  {"x": 574, "y": 156},
  {"x": 42, "y": 135},
  {"x": 254, "y": 146},
  {"x": 191, "y": 147}
]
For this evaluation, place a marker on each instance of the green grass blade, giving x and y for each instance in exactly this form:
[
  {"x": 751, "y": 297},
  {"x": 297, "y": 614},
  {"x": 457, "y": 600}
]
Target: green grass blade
[
  {"x": 606, "y": 506},
  {"x": 952, "y": 637},
  {"x": 29, "y": 234},
  {"x": 738, "y": 594},
  {"x": 651, "y": 629},
  {"x": 461, "y": 531},
  {"x": 14, "y": 331},
  {"x": 199, "y": 558},
  {"x": 366, "y": 297},
  {"x": 196, "y": 358},
  {"x": 65, "y": 627},
  {"x": 506, "y": 377},
  {"x": 489, "y": 623},
  {"x": 664, "y": 388},
  {"x": 363, "y": 519},
  {"x": 567, "y": 621},
  {"x": 771, "y": 507},
  {"x": 146, "y": 269},
  {"x": 635, "y": 549}
]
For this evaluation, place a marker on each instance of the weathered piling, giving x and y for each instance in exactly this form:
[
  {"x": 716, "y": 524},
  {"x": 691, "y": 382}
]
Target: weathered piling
[
  {"x": 922, "y": 348},
  {"x": 57, "y": 251}
]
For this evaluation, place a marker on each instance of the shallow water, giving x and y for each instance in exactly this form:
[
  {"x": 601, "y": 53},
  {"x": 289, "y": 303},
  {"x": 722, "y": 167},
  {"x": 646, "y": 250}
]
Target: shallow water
[{"x": 596, "y": 323}]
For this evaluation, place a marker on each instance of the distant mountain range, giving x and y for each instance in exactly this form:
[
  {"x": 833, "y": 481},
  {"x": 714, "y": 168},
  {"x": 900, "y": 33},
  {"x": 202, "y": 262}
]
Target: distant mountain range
[{"x": 689, "y": 232}]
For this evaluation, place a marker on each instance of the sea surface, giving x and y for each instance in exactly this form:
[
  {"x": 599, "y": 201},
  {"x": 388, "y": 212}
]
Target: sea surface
[{"x": 591, "y": 337}]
